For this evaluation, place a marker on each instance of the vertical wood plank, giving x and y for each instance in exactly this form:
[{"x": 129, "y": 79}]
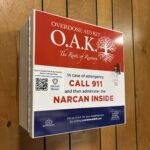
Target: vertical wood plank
[
  {"x": 141, "y": 22},
  {"x": 126, "y": 134},
  {"x": 55, "y": 6},
  {"x": 59, "y": 142},
  {"x": 104, "y": 13},
  {"x": 13, "y": 15},
  {"x": 85, "y": 140},
  {"x": 84, "y": 10},
  {"x": 105, "y": 19}
]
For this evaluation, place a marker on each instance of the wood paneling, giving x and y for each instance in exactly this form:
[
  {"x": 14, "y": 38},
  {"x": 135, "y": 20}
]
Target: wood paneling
[
  {"x": 104, "y": 13},
  {"x": 55, "y": 6},
  {"x": 126, "y": 134},
  {"x": 13, "y": 14},
  {"x": 59, "y": 142},
  {"x": 84, "y": 10},
  {"x": 85, "y": 140},
  {"x": 141, "y": 20}
]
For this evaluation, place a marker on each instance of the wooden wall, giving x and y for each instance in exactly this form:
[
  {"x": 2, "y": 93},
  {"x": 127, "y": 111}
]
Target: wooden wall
[{"x": 130, "y": 16}]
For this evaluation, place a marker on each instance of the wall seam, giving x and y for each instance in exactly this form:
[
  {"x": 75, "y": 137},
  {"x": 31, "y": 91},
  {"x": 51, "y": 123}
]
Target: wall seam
[
  {"x": 44, "y": 141},
  {"x": 100, "y": 145},
  {"x": 44, "y": 138},
  {"x": 70, "y": 141},
  {"x": 67, "y": 8},
  {"x": 116, "y": 138},
  {"x": 96, "y": 7},
  {"x": 112, "y": 9},
  {"x": 135, "y": 100},
  {"x": 42, "y": 5}
]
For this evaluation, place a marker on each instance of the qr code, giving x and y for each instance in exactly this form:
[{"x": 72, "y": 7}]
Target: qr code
[{"x": 41, "y": 84}]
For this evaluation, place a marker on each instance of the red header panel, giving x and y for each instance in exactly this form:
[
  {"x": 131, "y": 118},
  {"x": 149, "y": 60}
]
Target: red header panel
[{"x": 68, "y": 43}]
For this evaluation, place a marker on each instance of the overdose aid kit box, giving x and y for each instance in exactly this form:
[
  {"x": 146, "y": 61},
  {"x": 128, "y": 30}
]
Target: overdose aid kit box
[{"x": 71, "y": 76}]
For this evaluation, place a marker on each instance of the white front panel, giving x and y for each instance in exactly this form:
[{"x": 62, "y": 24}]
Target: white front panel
[{"x": 58, "y": 88}]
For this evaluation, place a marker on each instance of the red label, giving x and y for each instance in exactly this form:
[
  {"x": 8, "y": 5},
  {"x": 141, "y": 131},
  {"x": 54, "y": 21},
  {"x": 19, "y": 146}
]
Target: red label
[{"x": 63, "y": 42}]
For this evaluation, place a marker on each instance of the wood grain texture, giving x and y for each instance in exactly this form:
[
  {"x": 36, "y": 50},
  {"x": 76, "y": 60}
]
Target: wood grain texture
[
  {"x": 59, "y": 142},
  {"x": 55, "y": 6},
  {"x": 108, "y": 138},
  {"x": 85, "y": 140},
  {"x": 84, "y": 10},
  {"x": 141, "y": 22},
  {"x": 13, "y": 15},
  {"x": 104, "y": 8},
  {"x": 11, "y": 135},
  {"x": 126, "y": 134},
  {"x": 104, "y": 13}
]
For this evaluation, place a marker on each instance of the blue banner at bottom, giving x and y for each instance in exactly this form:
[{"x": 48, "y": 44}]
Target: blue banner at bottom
[{"x": 60, "y": 121}]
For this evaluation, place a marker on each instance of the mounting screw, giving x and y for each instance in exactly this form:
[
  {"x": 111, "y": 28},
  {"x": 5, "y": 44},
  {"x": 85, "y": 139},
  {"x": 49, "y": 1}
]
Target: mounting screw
[{"x": 117, "y": 68}]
